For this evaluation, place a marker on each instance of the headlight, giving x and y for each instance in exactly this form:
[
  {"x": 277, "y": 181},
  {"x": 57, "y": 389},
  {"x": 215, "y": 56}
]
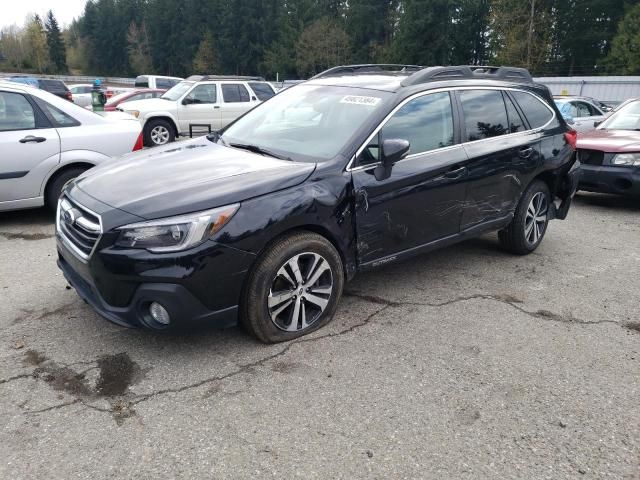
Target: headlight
[
  {"x": 632, "y": 159},
  {"x": 175, "y": 233},
  {"x": 135, "y": 113}
]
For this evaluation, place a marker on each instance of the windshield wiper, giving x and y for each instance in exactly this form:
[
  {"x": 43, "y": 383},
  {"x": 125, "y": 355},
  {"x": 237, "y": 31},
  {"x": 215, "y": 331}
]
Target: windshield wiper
[{"x": 260, "y": 150}]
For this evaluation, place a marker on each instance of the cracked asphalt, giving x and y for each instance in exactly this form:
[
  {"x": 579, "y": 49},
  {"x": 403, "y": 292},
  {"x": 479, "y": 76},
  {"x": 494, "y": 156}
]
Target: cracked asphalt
[{"x": 467, "y": 363}]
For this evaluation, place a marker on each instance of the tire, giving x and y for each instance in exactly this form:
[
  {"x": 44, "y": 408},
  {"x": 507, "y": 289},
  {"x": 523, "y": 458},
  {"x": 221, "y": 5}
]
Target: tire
[
  {"x": 299, "y": 297},
  {"x": 530, "y": 221},
  {"x": 57, "y": 183},
  {"x": 158, "y": 132}
]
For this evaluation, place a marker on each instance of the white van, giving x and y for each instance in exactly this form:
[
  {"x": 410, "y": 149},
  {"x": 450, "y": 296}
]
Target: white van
[{"x": 156, "y": 81}]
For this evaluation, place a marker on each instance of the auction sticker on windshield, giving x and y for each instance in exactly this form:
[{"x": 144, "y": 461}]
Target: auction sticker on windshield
[{"x": 360, "y": 100}]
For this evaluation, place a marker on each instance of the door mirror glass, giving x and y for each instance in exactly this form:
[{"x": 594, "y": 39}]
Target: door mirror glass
[
  {"x": 187, "y": 101},
  {"x": 394, "y": 150}
]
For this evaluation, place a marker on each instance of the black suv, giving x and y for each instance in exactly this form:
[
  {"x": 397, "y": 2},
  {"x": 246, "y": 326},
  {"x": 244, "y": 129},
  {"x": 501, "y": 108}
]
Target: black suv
[{"x": 362, "y": 165}]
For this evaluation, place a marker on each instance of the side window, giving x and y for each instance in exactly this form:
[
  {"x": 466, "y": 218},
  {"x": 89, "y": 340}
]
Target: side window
[
  {"x": 485, "y": 115},
  {"x": 205, "y": 93},
  {"x": 515, "y": 120},
  {"x": 16, "y": 113},
  {"x": 537, "y": 113},
  {"x": 234, "y": 93},
  {"x": 262, "y": 90},
  {"x": 426, "y": 122},
  {"x": 583, "y": 109},
  {"x": 56, "y": 116},
  {"x": 85, "y": 90}
]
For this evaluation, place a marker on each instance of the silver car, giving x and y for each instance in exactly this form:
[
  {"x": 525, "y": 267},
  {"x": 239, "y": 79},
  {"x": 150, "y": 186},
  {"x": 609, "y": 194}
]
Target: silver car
[
  {"x": 581, "y": 113},
  {"x": 46, "y": 141}
]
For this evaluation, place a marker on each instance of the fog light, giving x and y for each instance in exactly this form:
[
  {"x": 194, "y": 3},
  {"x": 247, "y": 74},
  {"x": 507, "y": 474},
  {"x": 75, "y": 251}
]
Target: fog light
[{"x": 159, "y": 313}]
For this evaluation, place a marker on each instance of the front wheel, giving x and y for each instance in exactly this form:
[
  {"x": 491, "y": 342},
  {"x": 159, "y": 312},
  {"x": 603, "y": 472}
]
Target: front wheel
[
  {"x": 530, "y": 221},
  {"x": 57, "y": 184},
  {"x": 294, "y": 288},
  {"x": 158, "y": 132}
]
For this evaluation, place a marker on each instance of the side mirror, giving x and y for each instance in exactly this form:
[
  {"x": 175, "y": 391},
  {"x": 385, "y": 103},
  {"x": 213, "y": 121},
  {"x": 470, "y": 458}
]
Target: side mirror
[
  {"x": 187, "y": 101},
  {"x": 253, "y": 99},
  {"x": 597, "y": 124},
  {"x": 394, "y": 150}
]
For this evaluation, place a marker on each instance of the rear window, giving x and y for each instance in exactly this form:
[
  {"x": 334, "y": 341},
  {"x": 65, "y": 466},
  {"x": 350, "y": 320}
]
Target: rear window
[
  {"x": 262, "y": 90},
  {"x": 537, "y": 113},
  {"x": 142, "y": 81},
  {"x": 234, "y": 93}
]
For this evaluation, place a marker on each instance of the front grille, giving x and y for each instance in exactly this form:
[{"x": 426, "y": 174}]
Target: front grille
[
  {"x": 591, "y": 157},
  {"x": 78, "y": 227}
]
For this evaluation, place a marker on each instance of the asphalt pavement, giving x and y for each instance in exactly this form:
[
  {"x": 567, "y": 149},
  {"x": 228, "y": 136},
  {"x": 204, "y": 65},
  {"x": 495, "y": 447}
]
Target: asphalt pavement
[{"x": 467, "y": 363}]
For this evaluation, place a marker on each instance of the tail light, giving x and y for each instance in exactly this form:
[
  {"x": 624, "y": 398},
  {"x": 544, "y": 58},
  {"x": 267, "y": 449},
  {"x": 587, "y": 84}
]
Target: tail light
[
  {"x": 138, "y": 145},
  {"x": 572, "y": 139},
  {"x": 68, "y": 95}
]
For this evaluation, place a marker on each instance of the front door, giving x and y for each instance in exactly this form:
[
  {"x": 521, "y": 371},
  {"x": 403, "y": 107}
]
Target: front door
[
  {"x": 202, "y": 107},
  {"x": 420, "y": 200},
  {"x": 25, "y": 142}
]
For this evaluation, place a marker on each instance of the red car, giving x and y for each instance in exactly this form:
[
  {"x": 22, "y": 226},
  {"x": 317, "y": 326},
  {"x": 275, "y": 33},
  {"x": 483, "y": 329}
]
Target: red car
[
  {"x": 610, "y": 155},
  {"x": 137, "y": 94}
]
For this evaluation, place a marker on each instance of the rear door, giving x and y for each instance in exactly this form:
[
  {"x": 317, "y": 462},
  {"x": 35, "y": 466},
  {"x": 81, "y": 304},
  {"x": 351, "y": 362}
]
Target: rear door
[
  {"x": 420, "y": 200},
  {"x": 502, "y": 152},
  {"x": 236, "y": 101},
  {"x": 202, "y": 108},
  {"x": 26, "y": 141}
]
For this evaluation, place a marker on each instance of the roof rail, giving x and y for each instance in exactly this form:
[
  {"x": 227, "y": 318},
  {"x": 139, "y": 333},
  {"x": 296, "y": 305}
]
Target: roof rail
[
  {"x": 368, "y": 68},
  {"x": 432, "y": 74},
  {"x": 202, "y": 78}
]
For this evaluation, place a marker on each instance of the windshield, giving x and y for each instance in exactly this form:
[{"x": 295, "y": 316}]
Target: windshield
[
  {"x": 306, "y": 121},
  {"x": 175, "y": 92},
  {"x": 627, "y": 118}
]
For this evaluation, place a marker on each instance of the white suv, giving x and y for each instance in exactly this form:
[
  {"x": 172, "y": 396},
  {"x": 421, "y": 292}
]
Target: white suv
[{"x": 199, "y": 102}]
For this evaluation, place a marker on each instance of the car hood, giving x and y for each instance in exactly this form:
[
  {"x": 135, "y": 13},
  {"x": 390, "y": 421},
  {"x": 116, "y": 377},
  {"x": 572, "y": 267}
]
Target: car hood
[
  {"x": 613, "y": 141},
  {"x": 188, "y": 177},
  {"x": 147, "y": 105}
]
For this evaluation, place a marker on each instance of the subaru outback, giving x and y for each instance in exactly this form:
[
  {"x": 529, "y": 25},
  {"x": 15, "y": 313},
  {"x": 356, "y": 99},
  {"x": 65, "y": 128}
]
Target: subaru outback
[{"x": 363, "y": 165}]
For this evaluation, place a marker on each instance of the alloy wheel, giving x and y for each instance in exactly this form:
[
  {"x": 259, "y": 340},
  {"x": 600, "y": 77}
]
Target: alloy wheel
[
  {"x": 300, "y": 292},
  {"x": 536, "y": 219},
  {"x": 159, "y": 135}
]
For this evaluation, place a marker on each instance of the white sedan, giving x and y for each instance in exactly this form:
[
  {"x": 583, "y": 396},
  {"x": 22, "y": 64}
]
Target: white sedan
[
  {"x": 46, "y": 141},
  {"x": 81, "y": 94}
]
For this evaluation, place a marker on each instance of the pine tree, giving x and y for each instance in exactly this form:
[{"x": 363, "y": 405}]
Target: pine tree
[
  {"x": 206, "y": 59},
  {"x": 624, "y": 58},
  {"x": 322, "y": 44},
  {"x": 55, "y": 42}
]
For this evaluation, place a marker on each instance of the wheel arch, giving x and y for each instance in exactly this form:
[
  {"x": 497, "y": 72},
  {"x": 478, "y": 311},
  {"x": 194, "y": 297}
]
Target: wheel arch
[
  {"x": 62, "y": 169},
  {"x": 161, "y": 116}
]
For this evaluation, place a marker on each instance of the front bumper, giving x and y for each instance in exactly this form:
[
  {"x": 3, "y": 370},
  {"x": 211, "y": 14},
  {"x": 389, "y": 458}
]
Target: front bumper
[
  {"x": 201, "y": 287},
  {"x": 610, "y": 179}
]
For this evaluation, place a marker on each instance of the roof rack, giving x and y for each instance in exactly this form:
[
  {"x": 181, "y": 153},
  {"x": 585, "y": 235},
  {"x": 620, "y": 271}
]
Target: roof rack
[
  {"x": 368, "y": 68},
  {"x": 202, "y": 78},
  {"x": 432, "y": 74}
]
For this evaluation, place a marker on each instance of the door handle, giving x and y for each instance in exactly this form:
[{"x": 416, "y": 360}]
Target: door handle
[
  {"x": 32, "y": 139},
  {"x": 525, "y": 152},
  {"x": 456, "y": 172},
  {"x": 216, "y": 106}
]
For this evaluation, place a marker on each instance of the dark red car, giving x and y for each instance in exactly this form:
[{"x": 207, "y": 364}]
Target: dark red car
[
  {"x": 610, "y": 155},
  {"x": 137, "y": 94}
]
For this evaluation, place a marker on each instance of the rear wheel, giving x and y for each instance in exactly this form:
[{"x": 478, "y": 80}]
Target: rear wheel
[
  {"x": 294, "y": 288},
  {"x": 530, "y": 221},
  {"x": 158, "y": 132},
  {"x": 57, "y": 183}
]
